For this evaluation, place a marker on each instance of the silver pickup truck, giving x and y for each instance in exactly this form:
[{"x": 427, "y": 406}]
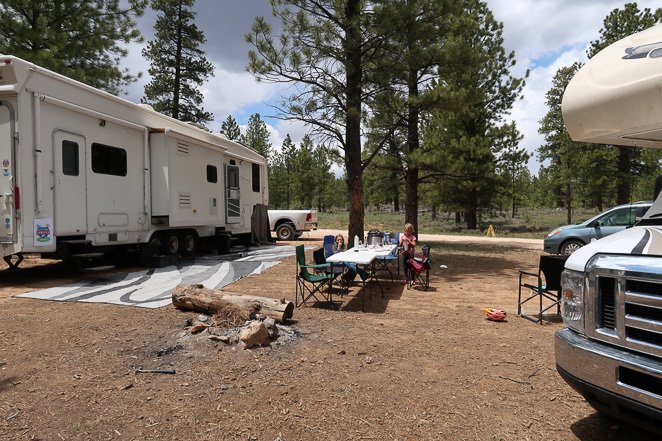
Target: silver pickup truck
[{"x": 290, "y": 224}]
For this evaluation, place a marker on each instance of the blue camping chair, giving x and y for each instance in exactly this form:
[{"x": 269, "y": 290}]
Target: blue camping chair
[
  {"x": 335, "y": 268},
  {"x": 392, "y": 259}
]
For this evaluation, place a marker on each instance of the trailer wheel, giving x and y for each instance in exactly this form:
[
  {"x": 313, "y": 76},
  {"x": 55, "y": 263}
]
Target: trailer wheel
[
  {"x": 172, "y": 245},
  {"x": 284, "y": 232},
  {"x": 188, "y": 243},
  {"x": 155, "y": 245}
]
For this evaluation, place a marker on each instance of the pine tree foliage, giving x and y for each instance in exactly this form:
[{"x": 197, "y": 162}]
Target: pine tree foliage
[
  {"x": 178, "y": 66},
  {"x": 81, "y": 39},
  {"x": 465, "y": 140},
  {"x": 407, "y": 65},
  {"x": 257, "y": 136},
  {"x": 301, "y": 178},
  {"x": 231, "y": 129}
]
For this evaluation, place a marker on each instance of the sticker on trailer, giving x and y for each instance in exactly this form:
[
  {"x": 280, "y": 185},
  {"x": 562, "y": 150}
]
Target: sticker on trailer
[
  {"x": 5, "y": 172},
  {"x": 43, "y": 232},
  {"x": 5, "y": 163}
]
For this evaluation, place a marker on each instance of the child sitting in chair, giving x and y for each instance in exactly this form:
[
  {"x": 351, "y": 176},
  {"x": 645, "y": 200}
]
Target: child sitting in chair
[
  {"x": 352, "y": 269},
  {"x": 407, "y": 249}
]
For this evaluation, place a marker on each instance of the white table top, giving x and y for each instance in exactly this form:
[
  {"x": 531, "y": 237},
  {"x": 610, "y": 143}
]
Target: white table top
[{"x": 361, "y": 255}]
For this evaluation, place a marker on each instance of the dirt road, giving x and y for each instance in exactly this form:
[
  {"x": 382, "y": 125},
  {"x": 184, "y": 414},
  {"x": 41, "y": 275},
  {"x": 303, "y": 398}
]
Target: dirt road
[{"x": 418, "y": 365}]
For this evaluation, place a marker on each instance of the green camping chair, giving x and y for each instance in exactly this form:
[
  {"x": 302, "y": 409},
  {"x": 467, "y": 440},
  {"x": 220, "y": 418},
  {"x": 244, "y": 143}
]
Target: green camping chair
[{"x": 309, "y": 284}]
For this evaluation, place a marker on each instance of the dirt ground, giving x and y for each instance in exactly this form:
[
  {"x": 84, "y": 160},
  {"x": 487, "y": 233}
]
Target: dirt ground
[{"x": 415, "y": 366}]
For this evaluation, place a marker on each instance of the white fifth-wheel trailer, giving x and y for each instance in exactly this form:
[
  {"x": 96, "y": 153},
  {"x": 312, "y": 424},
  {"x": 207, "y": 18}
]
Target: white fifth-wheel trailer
[{"x": 82, "y": 170}]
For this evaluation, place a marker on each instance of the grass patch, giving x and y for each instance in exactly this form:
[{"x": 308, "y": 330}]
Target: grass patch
[{"x": 532, "y": 223}]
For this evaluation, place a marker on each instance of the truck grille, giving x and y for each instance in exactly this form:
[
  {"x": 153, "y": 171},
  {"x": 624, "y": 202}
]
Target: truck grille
[
  {"x": 625, "y": 302},
  {"x": 607, "y": 302}
]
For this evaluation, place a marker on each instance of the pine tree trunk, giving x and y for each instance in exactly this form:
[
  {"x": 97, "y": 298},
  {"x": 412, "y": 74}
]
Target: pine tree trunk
[
  {"x": 624, "y": 175},
  {"x": 411, "y": 213},
  {"x": 568, "y": 203},
  {"x": 353, "y": 70}
]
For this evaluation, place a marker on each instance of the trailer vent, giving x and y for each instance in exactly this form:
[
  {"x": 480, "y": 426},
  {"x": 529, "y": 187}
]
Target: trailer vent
[
  {"x": 183, "y": 148},
  {"x": 184, "y": 200}
]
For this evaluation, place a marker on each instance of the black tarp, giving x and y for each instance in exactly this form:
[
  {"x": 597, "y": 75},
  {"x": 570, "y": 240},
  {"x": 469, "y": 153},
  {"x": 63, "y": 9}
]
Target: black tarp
[{"x": 260, "y": 233}]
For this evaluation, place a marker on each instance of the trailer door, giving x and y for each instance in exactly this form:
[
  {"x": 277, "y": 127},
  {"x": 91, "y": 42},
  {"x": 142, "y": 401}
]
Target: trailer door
[
  {"x": 232, "y": 195},
  {"x": 7, "y": 178},
  {"x": 70, "y": 184}
]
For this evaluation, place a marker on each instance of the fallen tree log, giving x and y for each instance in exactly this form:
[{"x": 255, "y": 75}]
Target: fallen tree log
[{"x": 197, "y": 298}]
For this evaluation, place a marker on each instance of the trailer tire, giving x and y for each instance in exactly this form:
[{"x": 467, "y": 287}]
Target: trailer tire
[
  {"x": 172, "y": 244},
  {"x": 188, "y": 243},
  {"x": 155, "y": 245},
  {"x": 284, "y": 232}
]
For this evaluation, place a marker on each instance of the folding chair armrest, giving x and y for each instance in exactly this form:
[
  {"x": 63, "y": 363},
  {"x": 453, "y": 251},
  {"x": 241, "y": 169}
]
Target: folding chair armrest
[
  {"x": 316, "y": 265},
  {"x": 528, "y": 285},
  {"x": 522, "y": 272}
]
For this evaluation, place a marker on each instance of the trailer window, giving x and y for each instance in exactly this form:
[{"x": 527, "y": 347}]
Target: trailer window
[
  {"x": 107, "y": 160},
  {"x": 212, "y": 174},
  {"x": 256, "y": 178},
  {"x": 70, "y": 165}
]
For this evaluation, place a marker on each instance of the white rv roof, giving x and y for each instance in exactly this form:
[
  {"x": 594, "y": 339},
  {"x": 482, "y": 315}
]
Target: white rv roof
[
  {"x": 19, "y": 73},
  {"x": 616, "y": 98}
]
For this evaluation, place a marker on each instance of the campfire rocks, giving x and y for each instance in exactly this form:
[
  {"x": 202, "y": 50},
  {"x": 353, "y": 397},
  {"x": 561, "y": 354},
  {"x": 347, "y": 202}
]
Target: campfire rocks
[
  {"x": 220, "y": 312},
  {"x": 262, "y": 331},
  {"x": 254, "y": 334}
]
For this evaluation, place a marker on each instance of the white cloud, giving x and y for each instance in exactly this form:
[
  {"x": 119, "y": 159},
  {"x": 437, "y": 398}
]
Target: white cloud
[{"x": 528, "y": 111}]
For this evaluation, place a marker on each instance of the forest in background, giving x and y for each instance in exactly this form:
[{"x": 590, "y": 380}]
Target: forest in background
[{"x": 407, "y": 101}]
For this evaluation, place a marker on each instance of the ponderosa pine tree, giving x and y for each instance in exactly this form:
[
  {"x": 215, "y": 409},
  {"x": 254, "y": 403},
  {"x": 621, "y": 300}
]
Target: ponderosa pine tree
[
  {"x": 321, "y": 47},
  {"x": 230, "y": 128},
  {"x": 257, "y": 136},
  {"x": 178, "y": 66},
  {"x": 464, "y": 140},
  {"x": 416, "y": 30},
  {"x": 82, "y": 39}
]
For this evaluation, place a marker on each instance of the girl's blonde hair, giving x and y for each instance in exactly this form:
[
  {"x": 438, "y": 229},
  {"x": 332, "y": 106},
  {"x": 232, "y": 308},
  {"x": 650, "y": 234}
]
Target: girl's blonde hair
[{"x": 409, "y": 228}]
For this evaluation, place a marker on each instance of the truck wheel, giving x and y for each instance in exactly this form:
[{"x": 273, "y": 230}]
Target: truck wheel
[
  {"x": 172, "y": 245},
  {"x": 188, "y": 243},
  {"x": 285, "y": 232},
  {"x": 571, "y": 246}
]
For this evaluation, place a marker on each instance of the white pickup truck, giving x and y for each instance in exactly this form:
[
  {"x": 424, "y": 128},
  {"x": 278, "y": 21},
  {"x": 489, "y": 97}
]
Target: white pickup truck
[{"x": 290, "y": 224}]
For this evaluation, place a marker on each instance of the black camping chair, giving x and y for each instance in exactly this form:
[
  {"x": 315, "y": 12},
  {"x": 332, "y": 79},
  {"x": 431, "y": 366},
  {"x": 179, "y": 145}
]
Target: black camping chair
[
  {"x": 550, "y": 267},
  {"x": 309, "y": 284},
  {"x": 419, "y": 268}
]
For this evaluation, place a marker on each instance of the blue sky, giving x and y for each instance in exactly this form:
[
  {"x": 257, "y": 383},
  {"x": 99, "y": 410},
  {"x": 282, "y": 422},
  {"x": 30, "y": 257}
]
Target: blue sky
[{"x": 545, "y": 35}]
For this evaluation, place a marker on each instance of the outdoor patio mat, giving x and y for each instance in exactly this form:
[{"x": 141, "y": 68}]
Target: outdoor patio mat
[{"x": 153, "y": 288}]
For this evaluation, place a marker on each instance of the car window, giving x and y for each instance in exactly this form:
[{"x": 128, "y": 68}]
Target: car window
[{"x": 623, "y": 217}]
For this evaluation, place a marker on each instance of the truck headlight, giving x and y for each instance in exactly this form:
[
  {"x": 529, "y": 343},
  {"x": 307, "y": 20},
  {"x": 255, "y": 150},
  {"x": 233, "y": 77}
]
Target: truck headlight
[{"x": 572, "y": 294}]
